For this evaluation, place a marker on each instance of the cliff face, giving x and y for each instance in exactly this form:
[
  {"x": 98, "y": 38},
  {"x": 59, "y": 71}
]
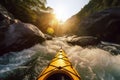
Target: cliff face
[
  {"x": 92, "y": 7},
  {"x": 99, "y": 18},
  {"x": 104, "y": 25},
  {"x": 97, "y": 5}
]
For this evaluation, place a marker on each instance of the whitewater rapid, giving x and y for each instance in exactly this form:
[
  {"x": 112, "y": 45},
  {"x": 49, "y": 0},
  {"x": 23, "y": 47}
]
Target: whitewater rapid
[{"x": 92, "y": 63}]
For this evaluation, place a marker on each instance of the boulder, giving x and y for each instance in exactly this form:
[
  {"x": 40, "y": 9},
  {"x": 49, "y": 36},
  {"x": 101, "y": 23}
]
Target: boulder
[
  {"x": 16, "y": 36},
  {"x": 83, "y": 40}
]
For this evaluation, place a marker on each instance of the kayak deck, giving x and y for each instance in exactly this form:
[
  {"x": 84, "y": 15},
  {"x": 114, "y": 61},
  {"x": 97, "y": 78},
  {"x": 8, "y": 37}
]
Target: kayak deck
[{"x": 60, "y": 68}]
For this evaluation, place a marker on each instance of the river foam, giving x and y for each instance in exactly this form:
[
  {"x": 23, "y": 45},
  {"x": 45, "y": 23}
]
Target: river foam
[{"x": 92, "y": 63}]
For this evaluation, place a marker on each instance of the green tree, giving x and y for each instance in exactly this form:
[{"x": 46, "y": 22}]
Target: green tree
[{"x": 30, "y": 11}]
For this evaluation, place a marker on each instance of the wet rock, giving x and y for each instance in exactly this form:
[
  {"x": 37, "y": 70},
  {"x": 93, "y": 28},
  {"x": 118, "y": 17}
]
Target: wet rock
[
  {"x": 83, "y": 40},
  {"x": 114, "y": 49},
  {"x": 48, "y": 37},
  {"x": 16, "y": 35},
  {"x": 19, "y": 36}
]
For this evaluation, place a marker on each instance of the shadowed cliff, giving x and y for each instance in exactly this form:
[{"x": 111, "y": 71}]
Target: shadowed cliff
[{"x": 99, "y": 18}]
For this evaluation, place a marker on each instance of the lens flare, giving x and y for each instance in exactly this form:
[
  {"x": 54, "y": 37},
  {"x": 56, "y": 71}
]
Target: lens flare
[{"x": 50, "y": 31}]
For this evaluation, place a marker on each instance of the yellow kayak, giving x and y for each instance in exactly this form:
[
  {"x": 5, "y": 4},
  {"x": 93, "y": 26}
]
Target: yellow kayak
[{"x": 60, "y": 68}]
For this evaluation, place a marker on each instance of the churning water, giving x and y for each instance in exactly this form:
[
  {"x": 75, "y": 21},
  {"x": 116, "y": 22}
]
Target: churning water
[{"x": 91, "y": 63}]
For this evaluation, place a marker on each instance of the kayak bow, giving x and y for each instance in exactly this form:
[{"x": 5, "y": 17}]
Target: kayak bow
[{"x": 60, "y": 68}]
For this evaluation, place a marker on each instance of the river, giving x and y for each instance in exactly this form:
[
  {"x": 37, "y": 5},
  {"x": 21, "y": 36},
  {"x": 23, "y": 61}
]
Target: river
[{"x": 92, "y": 63}]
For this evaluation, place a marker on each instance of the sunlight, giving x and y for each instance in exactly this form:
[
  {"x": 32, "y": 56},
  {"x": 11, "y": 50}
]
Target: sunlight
[
  {"x": 60, "y": 13},
  {"x": 64, "y": 9}
]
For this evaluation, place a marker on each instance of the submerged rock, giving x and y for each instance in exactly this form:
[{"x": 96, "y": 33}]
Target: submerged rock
[{"x": 114, "y": 49}]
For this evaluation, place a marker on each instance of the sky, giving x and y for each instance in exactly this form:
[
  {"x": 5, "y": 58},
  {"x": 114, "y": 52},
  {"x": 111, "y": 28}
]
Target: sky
[{"x": 64, "y": 9}]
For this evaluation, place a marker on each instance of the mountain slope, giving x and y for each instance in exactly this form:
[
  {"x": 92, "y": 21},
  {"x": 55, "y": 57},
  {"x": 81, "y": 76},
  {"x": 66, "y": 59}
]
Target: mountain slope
[{"x": 92, "y": 7}]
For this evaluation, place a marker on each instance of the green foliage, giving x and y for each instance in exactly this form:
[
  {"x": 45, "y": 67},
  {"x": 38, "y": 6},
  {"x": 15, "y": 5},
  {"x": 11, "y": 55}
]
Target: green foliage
[
  {"x": 30, "y": 11},
  {"x": 24, "y": 7}
]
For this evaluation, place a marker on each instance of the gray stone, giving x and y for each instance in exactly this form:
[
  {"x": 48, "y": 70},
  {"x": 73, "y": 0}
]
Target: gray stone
[
  {"x": 19, "y": 36},
  {"x": 83, "y": 41}
]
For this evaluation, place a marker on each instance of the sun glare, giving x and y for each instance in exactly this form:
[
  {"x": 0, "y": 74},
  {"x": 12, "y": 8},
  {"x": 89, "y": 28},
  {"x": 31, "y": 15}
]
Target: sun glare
[
  {"x": 60, "y": 14},
  {"x": 64, "y": 9}
]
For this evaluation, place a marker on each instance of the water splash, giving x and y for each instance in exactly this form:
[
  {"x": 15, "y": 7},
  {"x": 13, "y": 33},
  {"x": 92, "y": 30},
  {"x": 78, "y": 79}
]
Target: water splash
[{"x": 91, "y": 63}]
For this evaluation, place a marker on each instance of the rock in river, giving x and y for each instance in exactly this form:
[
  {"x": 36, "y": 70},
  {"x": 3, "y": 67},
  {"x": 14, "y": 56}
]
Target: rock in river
[
  {"x": 83, "y": 40},
  {"x": 16, "y": 36}
]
